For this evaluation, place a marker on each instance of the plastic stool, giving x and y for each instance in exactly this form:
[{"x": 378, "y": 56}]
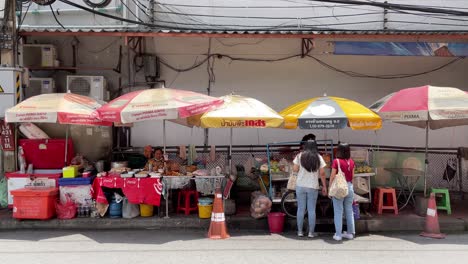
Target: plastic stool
[
  {"x": 390, "y": 193},
  {"x": 445, "y": 199},
  {"x": 184, "y": 201}
]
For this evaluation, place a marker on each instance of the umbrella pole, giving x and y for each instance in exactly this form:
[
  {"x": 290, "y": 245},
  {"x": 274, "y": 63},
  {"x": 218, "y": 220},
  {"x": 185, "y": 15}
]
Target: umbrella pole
[
  {"x": 230, "y": 152},
  {"x": 426, "y": 160},
  {"x": 66, "y": 145},
  {"x": 164, "y": 153},
  {"x": 164, "y": 137}
]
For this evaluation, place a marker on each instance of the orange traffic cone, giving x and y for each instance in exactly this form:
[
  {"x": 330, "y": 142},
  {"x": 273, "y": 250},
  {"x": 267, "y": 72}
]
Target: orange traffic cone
[
  {"x": 432, "y": 229},
  {"x": 218, "y": 228}
]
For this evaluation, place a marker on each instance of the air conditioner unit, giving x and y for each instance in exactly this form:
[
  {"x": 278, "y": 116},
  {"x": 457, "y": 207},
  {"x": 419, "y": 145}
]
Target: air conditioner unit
[
  {"x": 38, "y": 55},
  {"x": 39, "y": 86},
  {"x": 92, "y": 86}
]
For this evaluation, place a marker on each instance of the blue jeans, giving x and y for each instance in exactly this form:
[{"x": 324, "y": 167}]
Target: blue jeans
[
  {"x": 306, "y": 198},
  {"x": 338, "y": 205}
]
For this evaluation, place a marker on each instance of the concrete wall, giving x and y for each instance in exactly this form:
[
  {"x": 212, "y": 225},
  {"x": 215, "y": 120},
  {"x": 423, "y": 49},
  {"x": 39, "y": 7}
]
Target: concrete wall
[{"x": 277, "y": 84}]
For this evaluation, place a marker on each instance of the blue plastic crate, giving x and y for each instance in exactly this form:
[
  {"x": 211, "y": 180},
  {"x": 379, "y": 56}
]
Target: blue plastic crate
[{"x": 75, "y": 181}]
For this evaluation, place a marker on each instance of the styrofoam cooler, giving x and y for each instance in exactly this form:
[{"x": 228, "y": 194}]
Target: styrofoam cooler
[{"x": 79, "y": 190}]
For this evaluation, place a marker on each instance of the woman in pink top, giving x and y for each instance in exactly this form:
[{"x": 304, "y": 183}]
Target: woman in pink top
[{"x": 343, "y": 159}]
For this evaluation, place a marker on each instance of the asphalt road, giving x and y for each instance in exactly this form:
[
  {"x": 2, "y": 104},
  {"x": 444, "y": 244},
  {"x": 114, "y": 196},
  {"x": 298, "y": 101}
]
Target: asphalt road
[{"x": 157, "y": 246}]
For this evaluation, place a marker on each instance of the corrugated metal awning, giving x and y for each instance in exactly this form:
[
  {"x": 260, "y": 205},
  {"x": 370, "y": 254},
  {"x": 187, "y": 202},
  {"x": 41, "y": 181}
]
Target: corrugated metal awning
[{"x": 145, "y": 32}]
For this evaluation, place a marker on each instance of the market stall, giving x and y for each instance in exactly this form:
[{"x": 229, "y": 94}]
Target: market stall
[
  {"x": 44, "y": 161},
  {"x": 323, "y": 113},
  {"x": 164, "y": 104}
]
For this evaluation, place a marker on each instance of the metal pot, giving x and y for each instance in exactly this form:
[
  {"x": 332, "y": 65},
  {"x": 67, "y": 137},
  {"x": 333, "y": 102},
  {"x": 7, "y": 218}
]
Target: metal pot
[
  {"x": 119, "y": 164},
  {"x": 99, "y": 165}
]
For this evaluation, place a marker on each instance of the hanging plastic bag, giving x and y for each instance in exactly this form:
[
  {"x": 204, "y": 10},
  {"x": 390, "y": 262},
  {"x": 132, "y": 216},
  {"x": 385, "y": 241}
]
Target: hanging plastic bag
[
  {"x": 130, "y": 210},
  {"x": 65, "y": 210},
  {"x": 118, "y": 198},
  {"x": 260, "y": 207},
  {"x": 3, "y": 193},
  {"x": 356, "y": 212}
]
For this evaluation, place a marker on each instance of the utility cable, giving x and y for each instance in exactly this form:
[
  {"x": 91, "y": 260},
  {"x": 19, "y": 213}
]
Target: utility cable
[
  {"x": 397, "y": 7},
  {"x": 170, "y": 25},
  {"x": 131, "y": 12},
  {"x": 321, "y": 62},
  {"x": 55, "y": 17}
]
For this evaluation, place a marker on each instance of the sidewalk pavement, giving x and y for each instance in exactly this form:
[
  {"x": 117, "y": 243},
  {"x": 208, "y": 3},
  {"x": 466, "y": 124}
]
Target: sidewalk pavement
[{"x": 405, "y": 221}]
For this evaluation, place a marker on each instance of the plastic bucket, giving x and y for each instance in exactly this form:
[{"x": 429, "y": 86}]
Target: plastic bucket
[
  {"x": 204, "y": 211},
  {"x": 146, "y": 210},
  {"x": 276, "y": 222}
]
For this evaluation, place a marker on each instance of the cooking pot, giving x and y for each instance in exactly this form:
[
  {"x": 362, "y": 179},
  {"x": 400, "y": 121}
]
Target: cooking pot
[{"x": 119, "y": 164}]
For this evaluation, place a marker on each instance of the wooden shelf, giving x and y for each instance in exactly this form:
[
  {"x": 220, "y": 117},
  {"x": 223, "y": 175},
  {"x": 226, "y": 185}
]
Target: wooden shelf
[{"x": 364, "y": 174}]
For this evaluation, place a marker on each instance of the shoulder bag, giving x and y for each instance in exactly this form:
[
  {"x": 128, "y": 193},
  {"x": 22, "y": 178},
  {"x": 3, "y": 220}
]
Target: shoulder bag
[
  {"x": 339, "y": 186},
  {"x": 292, "y": 181}
]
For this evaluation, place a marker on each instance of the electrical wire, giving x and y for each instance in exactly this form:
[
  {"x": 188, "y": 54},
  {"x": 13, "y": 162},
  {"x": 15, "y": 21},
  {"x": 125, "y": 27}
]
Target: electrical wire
[
  {"x": 321, "y": 62},
  {"x": 397, "y": 6},
  {"x": 305, "y": 18},
  {"x": 241, "y": 43},
  {"x": 55, "y": 17},
  {"x": 131, "y": 12},
  {"x": 105, "y": 47},
  {"x": 267, "y": 18},
  {"x": 170, "y": 25},
  {"x": 385, "y": 76},
  {"x": 245, "y": 7}
]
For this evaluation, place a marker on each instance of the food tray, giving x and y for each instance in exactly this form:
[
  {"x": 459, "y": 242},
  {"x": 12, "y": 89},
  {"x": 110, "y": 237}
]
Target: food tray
[{"x": 141, "y": 175}]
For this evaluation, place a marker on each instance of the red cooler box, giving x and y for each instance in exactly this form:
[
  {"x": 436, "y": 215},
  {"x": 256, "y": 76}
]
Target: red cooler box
[
  {"x": 47, "y": 153},
  {"x": 40, "y": 178},
  {"x": 34, "y": 203}
]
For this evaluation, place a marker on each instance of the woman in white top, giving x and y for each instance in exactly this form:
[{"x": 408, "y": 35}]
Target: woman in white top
[{"x": 308, "y": 165}]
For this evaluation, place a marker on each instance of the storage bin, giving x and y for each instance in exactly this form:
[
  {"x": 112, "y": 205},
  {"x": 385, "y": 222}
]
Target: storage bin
[
  {"x": 53, "y": 149},
  {"x": 34, "y": 203},
  {"x": 70, "y": 172},
  {"x": 75, "y": 181}
]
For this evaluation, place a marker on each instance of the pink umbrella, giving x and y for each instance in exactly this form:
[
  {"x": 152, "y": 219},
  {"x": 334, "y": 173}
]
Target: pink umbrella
[
  {"x": 157, "y": 104},
  {"x": 428, "y": 107}
]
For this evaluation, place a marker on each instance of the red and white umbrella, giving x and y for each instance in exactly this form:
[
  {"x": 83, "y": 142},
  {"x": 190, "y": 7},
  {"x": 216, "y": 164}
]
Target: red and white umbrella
[
  {"x": 62, "y": 108},
  {"x": 428, "y": 107},
  {"x": 157, "y": 104},
  {"x": 425, "y": 106}
]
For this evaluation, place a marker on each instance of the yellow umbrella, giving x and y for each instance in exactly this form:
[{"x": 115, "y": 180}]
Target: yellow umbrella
[
  {"x": 236, "y": 112},
  {"x": 241, "y": 112},
  {"x": 329, "y": 112}
]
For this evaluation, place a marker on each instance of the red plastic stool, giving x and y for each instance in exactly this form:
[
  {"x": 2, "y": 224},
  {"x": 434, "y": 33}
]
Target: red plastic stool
[
  {"x": 184, "y": 200},
  {"x": 391, "y": 204}
]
